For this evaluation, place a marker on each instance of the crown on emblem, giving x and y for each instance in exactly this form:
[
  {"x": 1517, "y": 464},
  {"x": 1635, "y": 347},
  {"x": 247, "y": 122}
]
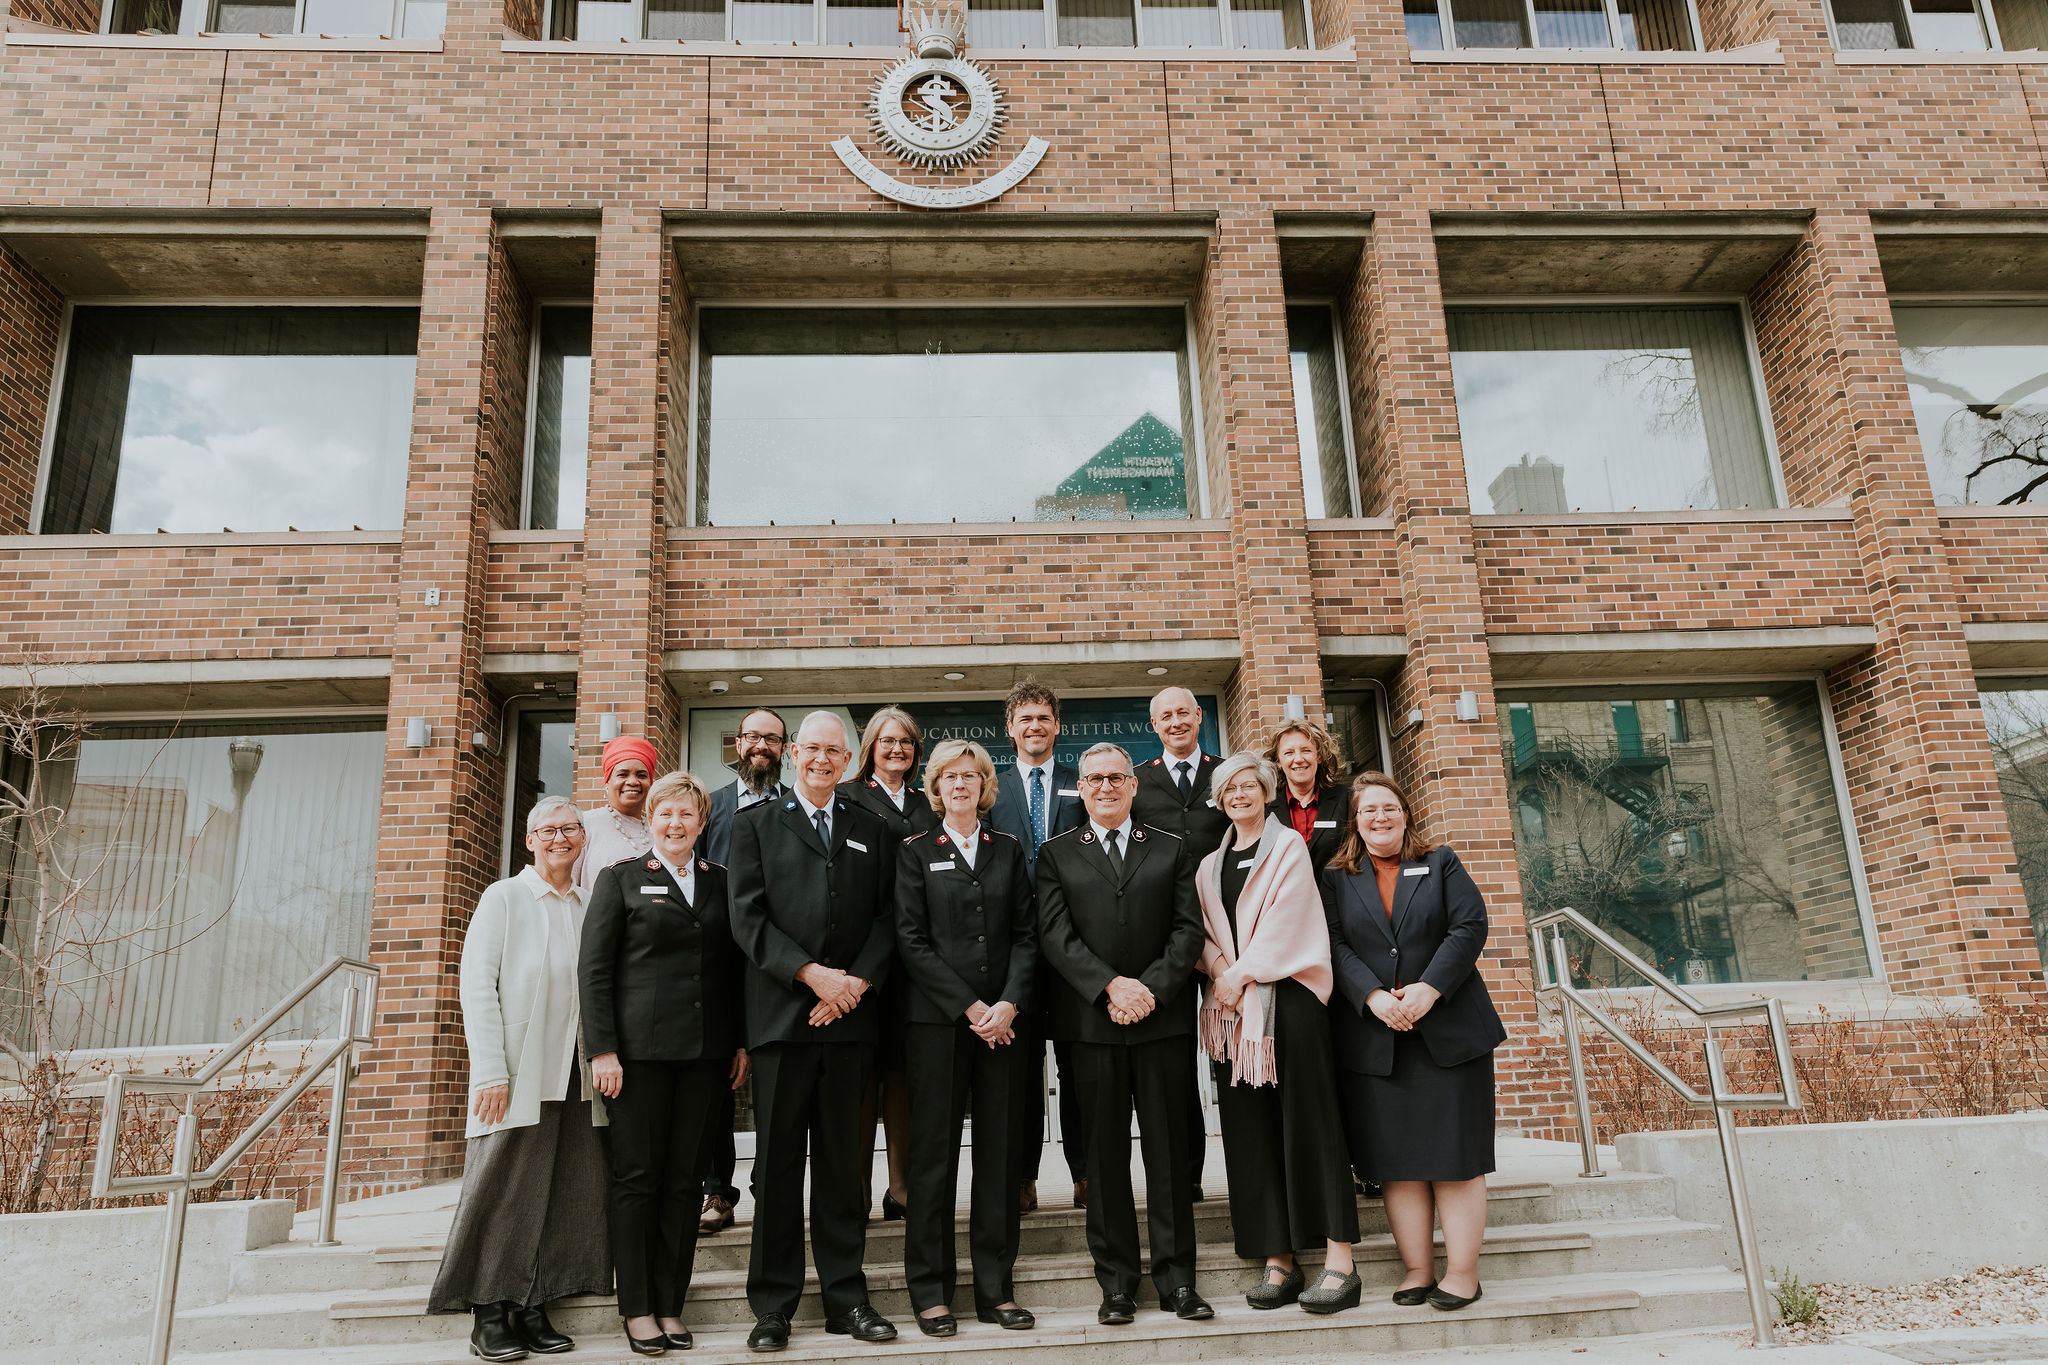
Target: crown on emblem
[{"x": 936, "y": 32}]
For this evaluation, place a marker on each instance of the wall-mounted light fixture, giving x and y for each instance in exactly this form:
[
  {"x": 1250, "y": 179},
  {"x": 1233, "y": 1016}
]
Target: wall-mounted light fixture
[
  {"x": 607, "y": 727},
  {"x": 417, "y": 732},
  {"x": 1297, "y": 709},
  {"x": 1468, "y": 706}
]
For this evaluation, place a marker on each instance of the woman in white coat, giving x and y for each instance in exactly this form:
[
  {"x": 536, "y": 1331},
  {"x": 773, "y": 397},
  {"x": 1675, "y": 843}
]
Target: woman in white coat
[{"x": 530, "y": 1225}]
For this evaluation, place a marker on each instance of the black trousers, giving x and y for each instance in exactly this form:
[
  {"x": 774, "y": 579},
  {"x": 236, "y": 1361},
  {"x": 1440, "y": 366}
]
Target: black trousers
[
  {"x": 949, "y": 1067},
  {"x": 809, "y": 1095},
  {"x": 1030, "y": 1115},
  {"x": 1284, "y": 1145},
  {"x": 1155, "y": 1079},
  {"x": 657, "y": 1130},
  {"x": 720, "y": 1156}
]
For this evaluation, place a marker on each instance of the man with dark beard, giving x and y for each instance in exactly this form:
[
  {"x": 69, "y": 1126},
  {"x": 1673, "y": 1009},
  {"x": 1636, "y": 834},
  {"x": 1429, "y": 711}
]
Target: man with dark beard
[{"x": 763, "y": 734}]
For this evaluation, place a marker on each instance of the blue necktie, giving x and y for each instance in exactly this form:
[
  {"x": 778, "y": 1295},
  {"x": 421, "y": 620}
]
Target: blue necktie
[{"x": 1037, "y": 809}]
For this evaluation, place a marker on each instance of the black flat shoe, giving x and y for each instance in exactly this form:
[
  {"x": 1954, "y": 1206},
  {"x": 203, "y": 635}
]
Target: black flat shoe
[
  {"x": 862, "y": 1324},
  {"x": 944, "y": 1325},
  {"x": 1415, "y": 1297},
  {"x": 892, "y": 1208},
  {"x": 1187, "y": 1305},
  {"x": 493, "y": 1338},
  {"x": 1451, "y": 1303},
  {"x": 771, "y": 1333},
  {"x": 1117, "y": 1310},
  {"x": 653, "y": 1346},
  {"x": 680, "y": 1341},
  {"x": 1009, "y": 1319},
  {"x": 538, "y": 1333}
]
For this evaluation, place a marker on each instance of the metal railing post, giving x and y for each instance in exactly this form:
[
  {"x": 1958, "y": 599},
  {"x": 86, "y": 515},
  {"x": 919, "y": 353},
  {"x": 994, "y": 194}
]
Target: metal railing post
[
  {"x": 1753, "y": 1272},
  {"x": 330, "y": 1180},
  {"x": 1588, "y": 1149},
  {"x": 175, "y": 1201}
]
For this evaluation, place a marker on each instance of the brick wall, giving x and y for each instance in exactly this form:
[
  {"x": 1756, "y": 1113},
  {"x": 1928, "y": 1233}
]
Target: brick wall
[{"x": 30, "y": 315}]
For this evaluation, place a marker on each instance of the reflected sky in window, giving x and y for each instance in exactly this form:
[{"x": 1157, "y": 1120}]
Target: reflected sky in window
[
  {"x": 254, "y": 442},
  {"x": 805, "y": 439},
  {"x": 1979, "y": 381}
]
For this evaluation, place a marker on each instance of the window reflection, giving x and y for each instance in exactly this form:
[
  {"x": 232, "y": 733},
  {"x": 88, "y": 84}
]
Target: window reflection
[
  {"x": 1326, "y": 475},
  {"x": 1607, "y": 410},
  {"x": 2016, "y": 716},
  {"x": 930, "y": 415},
  {"x": 254, "y": 419},
  {"x": 561, "y": 421},
  {"x": 1977, "y": 376}
]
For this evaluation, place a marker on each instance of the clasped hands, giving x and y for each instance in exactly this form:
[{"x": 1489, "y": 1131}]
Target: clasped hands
[
  {"x": 838, "y": 992},
  {"x": 993, "y": 1023},
  {"x": 1401, "y": 1008},
  {"x": 1129, "y": 1001}
]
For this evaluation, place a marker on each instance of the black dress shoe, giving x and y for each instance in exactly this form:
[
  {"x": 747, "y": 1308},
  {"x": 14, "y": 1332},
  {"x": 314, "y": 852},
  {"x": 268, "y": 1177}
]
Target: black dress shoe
[
  {"x": 862, "y": 1324},
  {"x": 1187, "y": 1305},
  {"x": 1116, "y": 1310},
  {"x": 1009, "y": 1319},
  {"x": 1451, "y": 1303},
  {"x": 493, "y": 1338},
  {"x": 771, "y": 1333},
  {"x": 892, "y": 1208},
  {"x": 944, "y": 1325},
  {"x": 651, "y": 1346},
  {"x": 680, "y": 1341},
  {"x": 538, "y": 1333},
  {"x": 1414, "y": 1298}
]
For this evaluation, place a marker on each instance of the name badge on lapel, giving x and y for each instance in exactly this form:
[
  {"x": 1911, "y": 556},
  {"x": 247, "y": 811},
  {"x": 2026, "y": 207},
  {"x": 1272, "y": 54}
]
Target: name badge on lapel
[
  {"x": 654, "y": 891},
  {"x": 1415, "y": 872},
  {"x": 946, "y": 866},
  {"x": 1069, "y": 791},
  {"x": 857, "y": 845},
  {"x": 1246, "y": 864},
  {"x": 1326, "y": 824}
]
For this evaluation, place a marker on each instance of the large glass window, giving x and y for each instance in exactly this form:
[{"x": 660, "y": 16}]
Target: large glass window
[
  {"x": 250, "y": 419},
  {"x": 1628, "y": 25},
  {"x": 1717, "y": 856},
  {"x": 1328, "y": 479},
  {"x": 2016, "y": 716},
  {"x": 222, "y": 864},
  {"x": 557, "y": 475},
  {"x": 543, "y": 764},
  {"x": 1608, "y": 409},
  {"x": 1941, "y": 25},
  {"x": 335, "y": 18},
  {"x": 874, "y": 415},
  {"x": 1979, "y": 380}
]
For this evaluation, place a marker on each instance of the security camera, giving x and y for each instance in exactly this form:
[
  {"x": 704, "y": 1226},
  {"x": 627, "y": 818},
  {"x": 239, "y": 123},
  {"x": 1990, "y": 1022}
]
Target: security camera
[{"x": 720, "y": 687}]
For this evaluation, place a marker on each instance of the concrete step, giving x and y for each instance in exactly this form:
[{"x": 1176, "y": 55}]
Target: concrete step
[
  {"x": 342, "y": 1316},
  {"x": 1516, "y": 1310},
  {"x": 297, "y": 1268}
]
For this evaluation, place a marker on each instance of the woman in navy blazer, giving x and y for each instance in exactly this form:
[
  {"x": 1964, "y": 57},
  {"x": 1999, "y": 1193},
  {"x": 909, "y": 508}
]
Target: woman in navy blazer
[{"x": 1414, "y": 1033}]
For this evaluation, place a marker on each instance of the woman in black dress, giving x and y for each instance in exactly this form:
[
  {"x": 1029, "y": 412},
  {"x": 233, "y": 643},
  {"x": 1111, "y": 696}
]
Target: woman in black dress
[
  {"x": 891, "y": 748},
  {"x": 1415, "y": 1033},
  {"x": 967, "y": 940},
  {"x": 1264, "y": 1024}
]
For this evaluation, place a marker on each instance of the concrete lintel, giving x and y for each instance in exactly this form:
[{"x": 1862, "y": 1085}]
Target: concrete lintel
[
  {"x": 178, "y": 685},
  {"x": 696, "y": 223},
  {"x": 156, "y": 222},
  {"x": 1674, "y": 653},
  {"x": 546, "y": 665},
  {"x": 1362, "y": 656},
  {"x": 914, "y": 670},
  {"x": 1787, "y": 224},
  {"x": 549, "y": 222},
  {"x": 1516, "y": 255},
  {"x": 2007, "y": 644}
]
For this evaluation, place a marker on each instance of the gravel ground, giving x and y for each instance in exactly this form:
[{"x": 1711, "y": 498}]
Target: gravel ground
[{"x": 1994, "y": 1296}]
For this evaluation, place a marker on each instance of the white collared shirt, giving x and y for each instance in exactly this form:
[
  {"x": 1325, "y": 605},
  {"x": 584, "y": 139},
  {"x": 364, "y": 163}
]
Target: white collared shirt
[
  {"x": 1123, "y": 835},
  {"x": 747, "y": 796},
  {"x": 560, "y": 1013},
  {"x": 897, "y": 795},
  {"x": 969, "y": 844},
  {"x": 686, "y": 875},
  {"x": 1024, "y": 771},
  {"x": 811, "y": 811}
]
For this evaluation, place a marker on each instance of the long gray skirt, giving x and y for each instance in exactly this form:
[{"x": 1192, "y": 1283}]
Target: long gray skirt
[{"x": 530, "y": 1225}]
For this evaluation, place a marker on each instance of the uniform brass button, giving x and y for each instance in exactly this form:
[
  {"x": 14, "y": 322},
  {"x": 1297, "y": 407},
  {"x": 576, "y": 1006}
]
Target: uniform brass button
[
  {"x": 981, "y": 938},
  {"x": 982, "y": 970}
]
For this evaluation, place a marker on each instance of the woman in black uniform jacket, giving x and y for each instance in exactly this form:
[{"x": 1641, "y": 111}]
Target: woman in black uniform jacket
[
  {"x": 1313, "y": 795},
  {"x": 967, "y": 940},
  {"x": 1415, "y": 1032},
  {"x": 891, "y": 746},
  {"x": 659, "y": 981}
]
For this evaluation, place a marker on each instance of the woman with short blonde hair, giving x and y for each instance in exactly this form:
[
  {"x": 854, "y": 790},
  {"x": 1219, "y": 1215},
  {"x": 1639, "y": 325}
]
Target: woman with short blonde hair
[
  {"x": 1313, "y": 793},
  {"x": 944, "y": 753}
]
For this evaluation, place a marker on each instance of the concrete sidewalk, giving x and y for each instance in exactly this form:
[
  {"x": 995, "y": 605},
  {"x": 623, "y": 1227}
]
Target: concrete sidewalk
[{"x": 2018, "y": 1345}]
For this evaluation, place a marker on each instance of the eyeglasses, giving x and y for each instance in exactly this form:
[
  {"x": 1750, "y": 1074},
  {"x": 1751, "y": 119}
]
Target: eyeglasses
[
  {"x": 550, "y": 833},
  {"x": 893, "y": 743},
  {"x": 810, "y": 751},
  {"x": 755, "y": 737},
  {"x": 1381, "y": 810},
  {"x": 1110, "y": 780}
]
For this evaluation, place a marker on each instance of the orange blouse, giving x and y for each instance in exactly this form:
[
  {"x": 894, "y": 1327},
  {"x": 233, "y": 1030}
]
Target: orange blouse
[{"x": 1388, "y": 872}]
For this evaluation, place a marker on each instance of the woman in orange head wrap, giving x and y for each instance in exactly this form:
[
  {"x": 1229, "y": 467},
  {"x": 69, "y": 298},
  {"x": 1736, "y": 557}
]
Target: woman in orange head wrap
[{"x": 618, "y": 829}]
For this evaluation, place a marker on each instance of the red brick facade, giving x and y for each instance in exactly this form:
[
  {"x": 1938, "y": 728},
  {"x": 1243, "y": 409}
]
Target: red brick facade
[{"x": 494, "y": 144}]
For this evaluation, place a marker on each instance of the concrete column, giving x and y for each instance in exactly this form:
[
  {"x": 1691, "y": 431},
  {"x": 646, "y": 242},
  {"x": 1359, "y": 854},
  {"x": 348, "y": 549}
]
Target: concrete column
[
  {"x": 623, "y": 522},
  {"x": 1254, "y": 463},
  {"x": 1951, "y": 914},
  {"x": 438, "y": 841}
]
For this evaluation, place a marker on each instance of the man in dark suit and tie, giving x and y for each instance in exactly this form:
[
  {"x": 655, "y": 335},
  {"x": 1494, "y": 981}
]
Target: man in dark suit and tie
[
  {"x": 1120, "y": 925},
  {"x": 763, "y": 733},
  {"x": 1036, "y": 799},
  {"x": 813, "y": 880},
  {"x": 1173, "y": 795}
]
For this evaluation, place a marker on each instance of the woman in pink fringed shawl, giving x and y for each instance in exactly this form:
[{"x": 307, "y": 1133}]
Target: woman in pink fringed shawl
[{"x": 1264, "y": 1027}]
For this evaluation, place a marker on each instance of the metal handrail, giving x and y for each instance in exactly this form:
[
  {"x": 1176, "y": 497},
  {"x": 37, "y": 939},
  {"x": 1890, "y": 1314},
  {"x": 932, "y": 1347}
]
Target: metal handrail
[
  {"x": 358, "y": 1009},
  {"x": 1554, "y": 978}
]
